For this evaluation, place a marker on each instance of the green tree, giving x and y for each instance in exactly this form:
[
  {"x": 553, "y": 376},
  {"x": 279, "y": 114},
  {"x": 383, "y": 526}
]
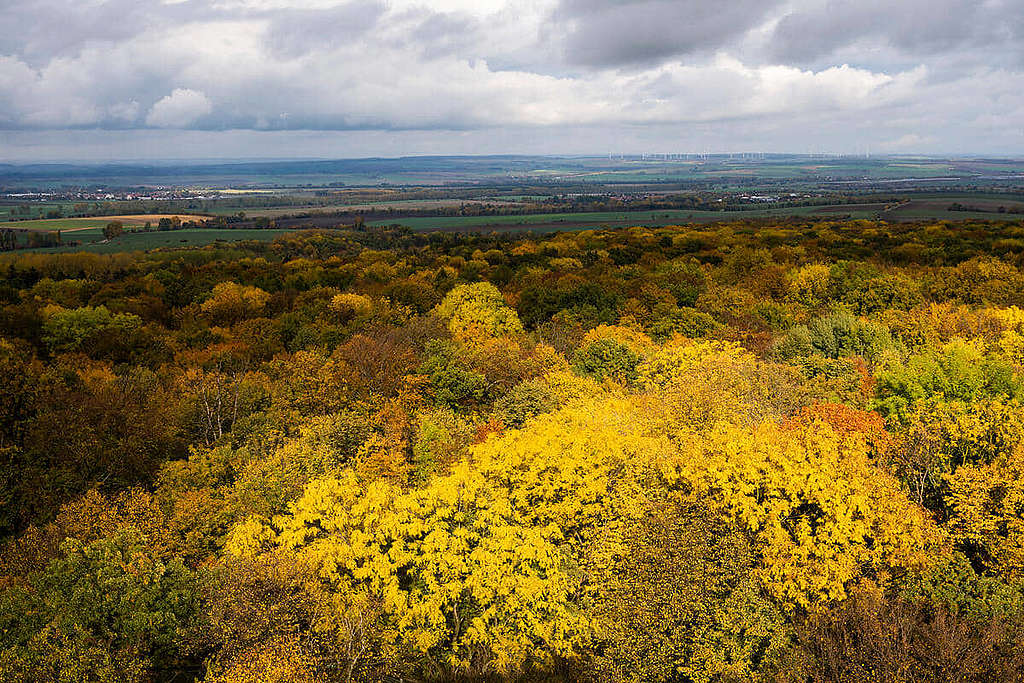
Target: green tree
[
  {"x": 74, "y": 329},
  {"x": 959, "y": 371},
  {"x": 112, "y": 230},
  {"x": 107, "y": 611}
]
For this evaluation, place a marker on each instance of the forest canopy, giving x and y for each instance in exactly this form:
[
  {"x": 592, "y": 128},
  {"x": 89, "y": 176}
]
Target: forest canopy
[{"x": 748, "y": 451}]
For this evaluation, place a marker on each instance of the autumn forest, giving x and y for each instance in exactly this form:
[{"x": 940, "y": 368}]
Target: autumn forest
[{"x": 762, "y": 450}]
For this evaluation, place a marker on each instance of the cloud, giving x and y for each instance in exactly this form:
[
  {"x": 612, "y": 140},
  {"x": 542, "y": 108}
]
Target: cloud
[
  {"x": 907, "y": 29},
  {"x": 740, "y": 72},
  {"x": 609, "y": 33},
  {"x": 300, "y": 31},
  {"x": 234, "y": 74},
  {"x": 179, "y": 109},
  {"x": 911, "y": 142}
]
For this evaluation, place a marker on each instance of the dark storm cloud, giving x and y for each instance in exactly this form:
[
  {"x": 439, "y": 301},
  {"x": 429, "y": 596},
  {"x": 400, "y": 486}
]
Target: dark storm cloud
[
  {"x": 611, "y": 33},
  {"x": 908, "y": 29}
]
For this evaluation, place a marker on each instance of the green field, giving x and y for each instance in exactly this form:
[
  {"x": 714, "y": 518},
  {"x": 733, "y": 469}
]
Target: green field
[
  {"x": 924, "y": 209},
  {"x": 934, "y": 207},
  {"x": 398, "y": 204},
  {"x": 92, "y": 240},
  {"x": 571, "y": 221},
  {"x": 11, "y": 209},
  {"x": 51, "y": 224},
  {"x": 128, "y": 221}
]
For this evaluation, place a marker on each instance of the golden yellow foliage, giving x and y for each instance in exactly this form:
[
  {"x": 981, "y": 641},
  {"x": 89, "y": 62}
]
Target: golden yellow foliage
[
  {"x": 230, "y": 302},
  {"x": 477, "y": 312},
  {"x": 633, "y": 339},
  {"x": 282, "y": 660},
  {"x": 249, "y": 538},
  {"x": 987, "y": 505},
  {"x": 808, "y": 285},
  {"x": 819, "y": 511},
  {"x": 459, "y": 580},
  {"x": 680, "y": 356},
  {"x": 351, "y": 304}
]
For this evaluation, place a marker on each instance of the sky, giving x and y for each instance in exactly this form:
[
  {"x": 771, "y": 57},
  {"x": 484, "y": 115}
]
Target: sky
[{"x": 144, "y": 79}]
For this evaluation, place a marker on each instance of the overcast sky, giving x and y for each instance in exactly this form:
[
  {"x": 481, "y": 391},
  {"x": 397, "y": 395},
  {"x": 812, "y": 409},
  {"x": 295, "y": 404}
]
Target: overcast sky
[{"x": 130, "y": 79}]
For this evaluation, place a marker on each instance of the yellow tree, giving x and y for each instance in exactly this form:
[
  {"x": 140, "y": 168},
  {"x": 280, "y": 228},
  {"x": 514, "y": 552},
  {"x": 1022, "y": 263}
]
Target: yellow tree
[
  {"x": 279, "y": 660},
  {"x": 820, "y": 513},
  {"x": 231, "y": 302},
  {"x": 478, "y": 311},
  {"x": 459, "y": 585},
  {"x": 986, "y": 504}
]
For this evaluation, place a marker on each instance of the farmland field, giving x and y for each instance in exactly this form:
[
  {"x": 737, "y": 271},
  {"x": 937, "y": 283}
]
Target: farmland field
[
  {"x": 547, "y": 222},
  {"x": 92, "y": 239},
  {"x": 77, "y": 224},
  {"x": 403, "y": 204},
  {"x": 566, "y": 221}
]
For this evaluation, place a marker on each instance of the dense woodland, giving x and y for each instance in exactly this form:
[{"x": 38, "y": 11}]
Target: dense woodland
[{"x": 736, "y": 452}]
